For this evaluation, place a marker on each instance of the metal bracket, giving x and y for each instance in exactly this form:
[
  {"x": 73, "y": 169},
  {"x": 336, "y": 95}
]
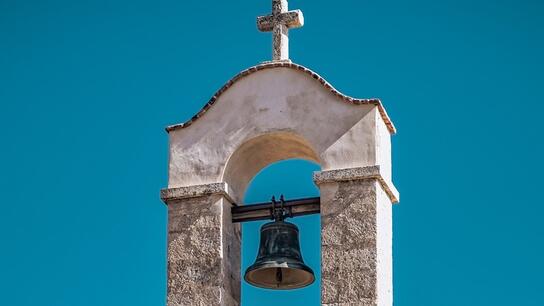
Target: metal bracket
[{"x": 270, "y": 211}]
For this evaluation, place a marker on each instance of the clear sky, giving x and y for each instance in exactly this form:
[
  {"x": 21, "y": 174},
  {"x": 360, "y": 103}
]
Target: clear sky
[{"x": 86, "y": 88}]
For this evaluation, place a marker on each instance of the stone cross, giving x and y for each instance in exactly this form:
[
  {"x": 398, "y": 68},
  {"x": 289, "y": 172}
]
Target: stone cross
[{"x": 279, "y": 23}]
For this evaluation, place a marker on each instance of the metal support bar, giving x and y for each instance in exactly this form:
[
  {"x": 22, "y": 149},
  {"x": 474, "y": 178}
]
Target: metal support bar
[{"x": 263, "y": 211}]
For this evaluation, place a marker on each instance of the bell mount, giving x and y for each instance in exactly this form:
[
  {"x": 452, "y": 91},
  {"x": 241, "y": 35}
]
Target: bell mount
[{"x": 268, "y": 210}]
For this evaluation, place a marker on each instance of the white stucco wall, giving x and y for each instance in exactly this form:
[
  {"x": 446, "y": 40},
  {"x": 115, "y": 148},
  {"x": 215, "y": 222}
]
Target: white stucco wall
[{"x": 301, "y": 118}]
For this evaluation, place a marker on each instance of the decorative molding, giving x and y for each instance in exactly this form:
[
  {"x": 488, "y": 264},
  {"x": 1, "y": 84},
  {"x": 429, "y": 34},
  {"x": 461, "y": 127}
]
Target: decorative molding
[
  {"x": 291, "y": 65},
  {"x": 194, "y": 191},
  {"x": 359, "y": 173}
]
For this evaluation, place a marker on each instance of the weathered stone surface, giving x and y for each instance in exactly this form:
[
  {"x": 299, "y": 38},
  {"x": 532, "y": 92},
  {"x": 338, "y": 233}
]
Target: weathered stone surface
[
  {"x": 359, "y": 173},
  {"x": 169, "y": 194},
  {"x": 203, "y": 252},
  {"x": 361, "y": 303},
  {"x": 353, "y": 224},
  {"x": 279, "y": 23}
]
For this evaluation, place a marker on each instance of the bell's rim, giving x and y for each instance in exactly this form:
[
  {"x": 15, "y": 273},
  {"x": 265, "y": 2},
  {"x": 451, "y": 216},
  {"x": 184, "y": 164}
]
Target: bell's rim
[{"x": 280, "y": 264}]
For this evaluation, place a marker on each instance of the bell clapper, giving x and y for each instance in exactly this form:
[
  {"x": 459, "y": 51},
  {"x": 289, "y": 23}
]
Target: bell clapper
[{"x": 279, "y": 276}]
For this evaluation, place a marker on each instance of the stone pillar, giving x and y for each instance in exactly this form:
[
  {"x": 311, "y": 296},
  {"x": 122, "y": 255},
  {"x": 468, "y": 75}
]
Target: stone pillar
[
  {"x": 356, "y": 237},
  {"x": 203, "y": 247}
]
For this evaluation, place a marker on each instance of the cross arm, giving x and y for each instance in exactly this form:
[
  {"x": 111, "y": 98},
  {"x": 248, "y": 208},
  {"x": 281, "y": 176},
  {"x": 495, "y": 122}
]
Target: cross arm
[{"x": 291, "y": 19}]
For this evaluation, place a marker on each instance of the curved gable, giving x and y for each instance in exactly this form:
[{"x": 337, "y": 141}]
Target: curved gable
[
  {"x": 294, "y": 66},
  {"x": 271, "y": 112}
]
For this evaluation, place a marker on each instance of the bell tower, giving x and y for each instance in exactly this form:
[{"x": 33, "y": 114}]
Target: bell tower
[{"x": 214, "y": 155}]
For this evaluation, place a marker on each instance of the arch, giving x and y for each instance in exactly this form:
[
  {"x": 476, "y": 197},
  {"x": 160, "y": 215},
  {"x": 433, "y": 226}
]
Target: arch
[
  {"x": 261, "y": 151},
  {"x": 272, "y": 112}
]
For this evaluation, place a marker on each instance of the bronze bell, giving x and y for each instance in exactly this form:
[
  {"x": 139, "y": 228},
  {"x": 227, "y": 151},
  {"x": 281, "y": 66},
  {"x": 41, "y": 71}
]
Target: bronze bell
[{"x": 279, "y": 263}]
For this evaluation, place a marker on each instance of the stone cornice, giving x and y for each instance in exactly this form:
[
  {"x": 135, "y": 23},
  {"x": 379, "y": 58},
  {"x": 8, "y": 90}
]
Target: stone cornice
[
  {"x": 359, "y": 173},
  {"x": 178, "y": 193},
  {"x": 320, "y": 177},
  {"x": 286, "y": 64}
]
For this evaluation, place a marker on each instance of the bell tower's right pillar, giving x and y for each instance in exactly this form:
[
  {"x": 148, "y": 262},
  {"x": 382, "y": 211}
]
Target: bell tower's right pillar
[{"x": 356, "y": 228}]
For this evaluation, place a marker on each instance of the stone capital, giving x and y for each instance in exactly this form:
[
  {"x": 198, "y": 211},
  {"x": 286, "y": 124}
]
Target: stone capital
[
  {"x": 358, "y": 173},
  {"x": 195, "y": 191}
]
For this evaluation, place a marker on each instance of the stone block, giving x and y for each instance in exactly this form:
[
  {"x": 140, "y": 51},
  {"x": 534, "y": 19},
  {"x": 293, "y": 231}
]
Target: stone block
[
  {"x": 351, "y": 229},
  {"x": 203, "y": 252}
]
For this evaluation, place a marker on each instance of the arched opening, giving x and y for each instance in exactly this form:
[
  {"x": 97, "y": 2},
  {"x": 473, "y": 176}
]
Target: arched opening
[
  {"x": 262, "y": 151},
  {"x": 293, "y": 179}
]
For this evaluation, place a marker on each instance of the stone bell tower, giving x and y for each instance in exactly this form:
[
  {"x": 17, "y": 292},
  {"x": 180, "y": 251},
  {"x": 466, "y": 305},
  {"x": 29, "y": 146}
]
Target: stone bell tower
[{"x": 214, "y": 155}]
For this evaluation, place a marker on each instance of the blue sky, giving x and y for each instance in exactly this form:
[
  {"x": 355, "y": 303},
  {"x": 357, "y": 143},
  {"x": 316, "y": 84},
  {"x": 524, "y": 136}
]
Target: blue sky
[{"x": 86, "y": 88}]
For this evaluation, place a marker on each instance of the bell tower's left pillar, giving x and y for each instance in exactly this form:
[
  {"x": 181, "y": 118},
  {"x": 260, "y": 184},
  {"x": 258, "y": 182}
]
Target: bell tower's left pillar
[{"x": 203, "y": 246}]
